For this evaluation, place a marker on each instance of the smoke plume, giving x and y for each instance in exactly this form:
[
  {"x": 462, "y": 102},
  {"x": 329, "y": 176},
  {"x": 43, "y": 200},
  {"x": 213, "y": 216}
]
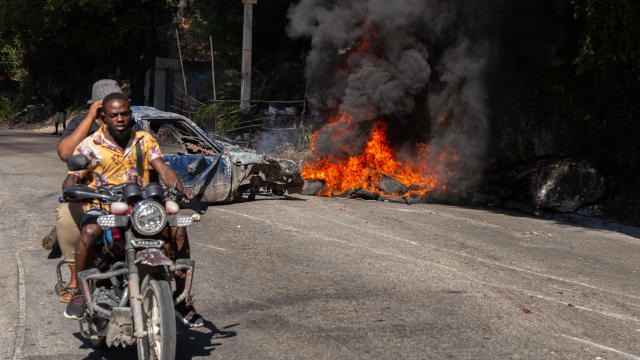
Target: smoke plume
[
  {"x": 378, "y": 59},
  {"x": 419, "y": 65}
]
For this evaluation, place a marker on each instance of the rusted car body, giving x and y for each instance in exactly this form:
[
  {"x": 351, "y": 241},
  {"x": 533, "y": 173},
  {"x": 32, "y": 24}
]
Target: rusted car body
[{"x": 230, "y": 170}]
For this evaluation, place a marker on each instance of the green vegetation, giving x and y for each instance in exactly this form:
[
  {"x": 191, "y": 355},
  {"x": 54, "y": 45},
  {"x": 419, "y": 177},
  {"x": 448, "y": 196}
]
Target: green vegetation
[
  {"x": 6, "y": 108},
  {"x": 601, "y": 83},
  {"x": 598, "y": 88},
  {"x": 219, "y": 116},
  {"x": 16, "y": 88},
  {"x": 54, "y": 50}
]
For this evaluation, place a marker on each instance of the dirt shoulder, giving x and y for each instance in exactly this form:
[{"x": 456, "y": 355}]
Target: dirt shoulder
[
  {"x": 42, "y": 126},
  {"x": 45, "y": 126}
]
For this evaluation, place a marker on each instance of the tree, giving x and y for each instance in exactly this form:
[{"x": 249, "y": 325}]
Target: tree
[
  {"x": 13, "y": 80},
  {"x": 66, "y": 45},
  {"x": 278, "y": 60},
  {"x": 603, "y": 83}
]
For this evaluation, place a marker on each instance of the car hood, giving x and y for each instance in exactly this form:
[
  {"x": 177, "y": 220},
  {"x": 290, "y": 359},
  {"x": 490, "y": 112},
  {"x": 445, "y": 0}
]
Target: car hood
[{"x": 243, "y": 157}]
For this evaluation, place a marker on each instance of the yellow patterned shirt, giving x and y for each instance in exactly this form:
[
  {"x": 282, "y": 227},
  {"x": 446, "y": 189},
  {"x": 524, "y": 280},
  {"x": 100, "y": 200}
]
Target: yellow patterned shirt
[{"x": 111, "y": 164}]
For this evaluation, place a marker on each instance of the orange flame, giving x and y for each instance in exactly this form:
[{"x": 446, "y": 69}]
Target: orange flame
[{"x": 422, "y": 174}]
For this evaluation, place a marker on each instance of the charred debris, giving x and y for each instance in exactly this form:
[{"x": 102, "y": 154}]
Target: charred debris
[{"x": 387, "y": 189}]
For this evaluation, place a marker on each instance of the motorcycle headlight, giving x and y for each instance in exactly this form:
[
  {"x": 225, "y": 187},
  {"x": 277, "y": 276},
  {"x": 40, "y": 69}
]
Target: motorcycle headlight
[{"x": 148, "y": 217}]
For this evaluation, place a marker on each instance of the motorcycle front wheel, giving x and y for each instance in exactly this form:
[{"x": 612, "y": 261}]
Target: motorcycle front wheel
[{"x": 159, "y": 320}]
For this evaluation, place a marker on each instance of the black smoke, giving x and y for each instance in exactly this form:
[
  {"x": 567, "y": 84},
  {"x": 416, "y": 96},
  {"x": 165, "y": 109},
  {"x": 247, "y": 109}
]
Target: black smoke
[{"x": 431, "y": 67}]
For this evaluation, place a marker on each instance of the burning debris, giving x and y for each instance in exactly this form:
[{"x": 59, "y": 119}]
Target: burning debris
[
  {"x": 389, "y": 189},
  {"x": 377, "y": 171},
  {"x": 400, "y": 123},
  {"x": 390, "y": 185}
]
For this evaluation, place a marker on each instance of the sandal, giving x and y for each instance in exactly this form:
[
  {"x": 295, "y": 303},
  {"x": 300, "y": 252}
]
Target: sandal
[{"x": 66, "y": 294}]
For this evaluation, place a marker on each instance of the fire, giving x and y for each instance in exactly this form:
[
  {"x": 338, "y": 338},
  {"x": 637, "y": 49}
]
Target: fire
[
  {"x": 378, "y": 158},
  {"x": 426, "y": 171}
]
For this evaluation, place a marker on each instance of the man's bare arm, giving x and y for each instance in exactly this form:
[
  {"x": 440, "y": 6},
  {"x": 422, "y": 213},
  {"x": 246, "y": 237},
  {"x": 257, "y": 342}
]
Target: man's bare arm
[
  {"x": 168, "y": 176},
  {"x": 69, "y": 144}
]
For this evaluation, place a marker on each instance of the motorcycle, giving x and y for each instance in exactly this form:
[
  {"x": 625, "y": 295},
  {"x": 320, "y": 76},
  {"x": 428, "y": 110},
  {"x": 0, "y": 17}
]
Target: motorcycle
[{"x": 128, "y": 295}]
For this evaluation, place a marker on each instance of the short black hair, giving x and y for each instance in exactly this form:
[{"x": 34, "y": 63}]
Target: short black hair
[{"x": 113, "y": 96}]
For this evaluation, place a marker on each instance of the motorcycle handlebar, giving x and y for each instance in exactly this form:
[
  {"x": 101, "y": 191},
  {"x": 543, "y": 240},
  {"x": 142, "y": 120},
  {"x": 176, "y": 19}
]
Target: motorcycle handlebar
[{"x": 81, "y": 192}]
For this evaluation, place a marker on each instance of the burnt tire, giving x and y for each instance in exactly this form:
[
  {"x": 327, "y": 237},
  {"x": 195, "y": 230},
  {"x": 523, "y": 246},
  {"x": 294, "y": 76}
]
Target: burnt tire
[{"x": 159, "y": 320}]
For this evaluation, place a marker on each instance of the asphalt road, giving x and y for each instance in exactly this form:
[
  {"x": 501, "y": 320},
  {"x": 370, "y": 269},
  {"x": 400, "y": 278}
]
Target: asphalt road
[{"x": 316, "y": 278}]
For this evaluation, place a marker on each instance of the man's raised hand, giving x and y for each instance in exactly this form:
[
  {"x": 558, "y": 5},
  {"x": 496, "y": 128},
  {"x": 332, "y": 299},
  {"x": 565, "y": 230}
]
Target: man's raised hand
[{"x": 95, "y": 108}]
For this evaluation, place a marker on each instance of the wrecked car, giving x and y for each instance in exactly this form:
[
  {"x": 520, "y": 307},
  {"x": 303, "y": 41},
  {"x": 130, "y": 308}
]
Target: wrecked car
[{"x": 229, "y": 171}]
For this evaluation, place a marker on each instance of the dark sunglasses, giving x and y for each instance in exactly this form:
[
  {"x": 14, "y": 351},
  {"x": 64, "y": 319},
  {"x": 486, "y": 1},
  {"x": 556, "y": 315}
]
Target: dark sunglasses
[{"x": 115, "y": 115}]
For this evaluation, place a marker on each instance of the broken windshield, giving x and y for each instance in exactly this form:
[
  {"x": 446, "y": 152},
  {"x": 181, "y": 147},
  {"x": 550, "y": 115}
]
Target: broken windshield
[{"x": 178, "y": 138}]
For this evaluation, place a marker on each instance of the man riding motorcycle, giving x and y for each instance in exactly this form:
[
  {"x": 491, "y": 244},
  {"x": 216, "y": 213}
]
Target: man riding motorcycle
[
  {"x": 69, "y": 214},
  {"x": 113, "y": 153}
]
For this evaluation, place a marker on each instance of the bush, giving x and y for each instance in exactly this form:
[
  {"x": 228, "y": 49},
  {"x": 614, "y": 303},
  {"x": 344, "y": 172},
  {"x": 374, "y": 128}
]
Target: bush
[
  {"x": 230, "y": 87},
  {"x": 6, "y": 109},
  {"x": 219, "y": 116},
  {"x": 601, "y": 95}
]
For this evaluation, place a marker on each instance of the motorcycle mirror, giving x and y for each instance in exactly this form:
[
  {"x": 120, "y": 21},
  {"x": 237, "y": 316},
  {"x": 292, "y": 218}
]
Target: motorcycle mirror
[
  {"x": 196, "y": 167},
  {"x": 78, "y": 162}
]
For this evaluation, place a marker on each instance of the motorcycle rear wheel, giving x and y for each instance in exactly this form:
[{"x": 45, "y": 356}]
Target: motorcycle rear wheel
[{"x": 159, "y": 321}]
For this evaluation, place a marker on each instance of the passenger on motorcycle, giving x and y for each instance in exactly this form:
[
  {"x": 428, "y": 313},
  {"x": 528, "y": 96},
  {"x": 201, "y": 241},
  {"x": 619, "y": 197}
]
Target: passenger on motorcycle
[{"x": 112, "y": 151}]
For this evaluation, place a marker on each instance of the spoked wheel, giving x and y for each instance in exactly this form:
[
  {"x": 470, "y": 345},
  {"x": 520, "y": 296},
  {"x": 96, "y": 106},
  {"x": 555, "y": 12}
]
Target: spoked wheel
[{"x": 159, "y": 321}]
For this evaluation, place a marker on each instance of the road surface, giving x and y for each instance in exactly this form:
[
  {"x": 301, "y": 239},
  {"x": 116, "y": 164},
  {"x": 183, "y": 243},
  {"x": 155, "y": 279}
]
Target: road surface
[{"x": 315, "y": 278}]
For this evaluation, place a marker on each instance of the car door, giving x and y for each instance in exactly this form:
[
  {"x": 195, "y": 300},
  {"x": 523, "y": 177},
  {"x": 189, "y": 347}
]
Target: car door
[{"x": 217, "y": 175}]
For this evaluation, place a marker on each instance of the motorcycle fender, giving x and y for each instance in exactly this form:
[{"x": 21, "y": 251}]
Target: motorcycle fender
[{"x": 152, "y": 257}]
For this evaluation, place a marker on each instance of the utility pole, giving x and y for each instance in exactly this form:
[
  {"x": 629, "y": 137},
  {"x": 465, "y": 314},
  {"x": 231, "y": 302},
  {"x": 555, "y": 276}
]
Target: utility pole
[
  {"x": 213, "y": 69},
  {"x": 247, "y": 35},
  {"x": 184, "y": 78}
]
